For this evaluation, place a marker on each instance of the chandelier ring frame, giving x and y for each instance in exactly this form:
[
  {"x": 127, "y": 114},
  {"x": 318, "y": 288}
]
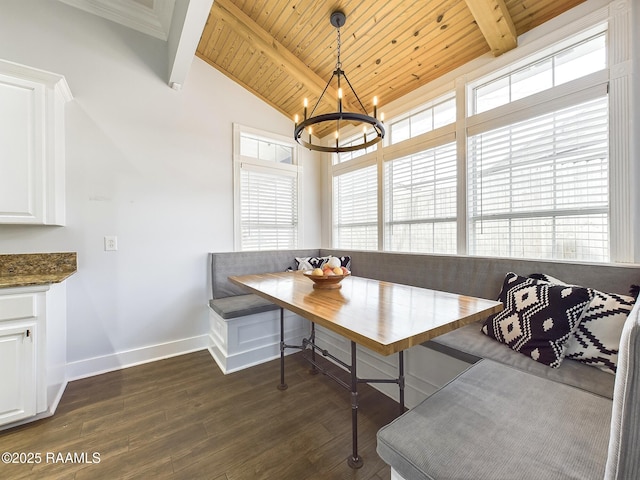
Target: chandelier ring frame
[{"x": 337, "y": 116}]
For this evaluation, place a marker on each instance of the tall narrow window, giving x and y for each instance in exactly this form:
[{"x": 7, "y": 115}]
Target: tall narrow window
[
  {"x": 267, "y": 179},
  {"x": 420, "y": 201},
  {"x": 355, "y": 196}
]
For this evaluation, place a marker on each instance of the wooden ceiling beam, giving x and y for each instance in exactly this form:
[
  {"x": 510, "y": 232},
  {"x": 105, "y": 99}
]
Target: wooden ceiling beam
[
  {"x": 263, "y": 42},
  {"x": 495, "y": 23}
]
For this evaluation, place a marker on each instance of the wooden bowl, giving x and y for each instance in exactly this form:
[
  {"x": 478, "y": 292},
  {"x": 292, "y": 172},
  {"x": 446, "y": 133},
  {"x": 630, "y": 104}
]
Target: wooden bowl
[{"x": 325, "y": 282}]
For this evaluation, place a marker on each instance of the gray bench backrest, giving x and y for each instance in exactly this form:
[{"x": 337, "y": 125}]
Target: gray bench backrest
[
  {"x": 482, "y": 276},
  {"x": 226, "y": 264}
]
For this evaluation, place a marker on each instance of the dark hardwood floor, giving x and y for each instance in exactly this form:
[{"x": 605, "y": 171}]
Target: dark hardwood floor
[{"x": 181, "y": 418}]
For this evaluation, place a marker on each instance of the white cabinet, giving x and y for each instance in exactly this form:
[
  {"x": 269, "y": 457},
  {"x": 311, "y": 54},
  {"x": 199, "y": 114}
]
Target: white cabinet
[
  {"x": 32, "y": 352},
  {"x": 17, "y": 375},
  {"x": 32, "y": 156}
]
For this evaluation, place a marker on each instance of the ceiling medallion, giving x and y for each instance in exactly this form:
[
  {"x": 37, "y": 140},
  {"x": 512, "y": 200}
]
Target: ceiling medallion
[{"x": 338, "y": 19}]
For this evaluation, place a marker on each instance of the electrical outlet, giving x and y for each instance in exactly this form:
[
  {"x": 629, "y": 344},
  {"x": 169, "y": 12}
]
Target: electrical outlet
[{"x": 110, "y": 243}]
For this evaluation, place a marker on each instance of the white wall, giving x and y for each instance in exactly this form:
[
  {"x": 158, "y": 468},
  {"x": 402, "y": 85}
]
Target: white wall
[{"x": 146, "y": 163}]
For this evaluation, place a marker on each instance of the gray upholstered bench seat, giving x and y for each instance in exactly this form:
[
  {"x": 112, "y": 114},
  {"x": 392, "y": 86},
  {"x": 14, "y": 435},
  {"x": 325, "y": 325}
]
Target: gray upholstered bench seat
[
  {"x": 497, "y": 422},
  {"x": 470, "y": 345},
  {"x": 232, "y": 301},
  {"x": 241, "y": 305}
]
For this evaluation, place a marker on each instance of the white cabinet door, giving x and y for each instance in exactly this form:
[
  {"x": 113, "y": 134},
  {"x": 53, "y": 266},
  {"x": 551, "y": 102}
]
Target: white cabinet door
[
  {"x": 31, "y": 145},
  {"x": 21, "y": 154},
  {"x": 17, "y": 372}
]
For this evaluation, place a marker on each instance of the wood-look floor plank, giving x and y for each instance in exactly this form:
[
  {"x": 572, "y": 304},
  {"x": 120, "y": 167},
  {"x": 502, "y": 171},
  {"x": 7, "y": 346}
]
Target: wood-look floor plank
[{"x": 181, "y": 418}]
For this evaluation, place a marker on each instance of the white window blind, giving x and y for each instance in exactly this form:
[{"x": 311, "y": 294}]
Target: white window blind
[
  {"x": 356, "y": 209},
  {"x": 266, "y": 191},
  {"x": 268, "y": 211},
  {"x": 420, "y": 201},
  {"x": 538, "y": 188}
]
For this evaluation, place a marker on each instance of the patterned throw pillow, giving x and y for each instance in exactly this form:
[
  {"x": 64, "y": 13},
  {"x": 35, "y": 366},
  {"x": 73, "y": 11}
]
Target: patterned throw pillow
[
  {"x": 538, "y": 318},
  {"x": 597, "y": 338},
  {"x": 309, "y": 263}
]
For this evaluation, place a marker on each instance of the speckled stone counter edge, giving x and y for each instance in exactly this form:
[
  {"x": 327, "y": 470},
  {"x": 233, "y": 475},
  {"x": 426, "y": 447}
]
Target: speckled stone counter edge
[{"x": 17, "y": 270}]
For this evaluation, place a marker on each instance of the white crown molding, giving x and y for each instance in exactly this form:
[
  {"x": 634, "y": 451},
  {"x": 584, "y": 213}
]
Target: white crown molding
[{"x": 154, "y": 21}]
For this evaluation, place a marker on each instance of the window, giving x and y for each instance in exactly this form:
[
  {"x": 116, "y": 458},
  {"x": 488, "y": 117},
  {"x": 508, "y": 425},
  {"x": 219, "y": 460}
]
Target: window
[
  {"x": 266, "y": 191},
  {"x": 420, "y": 199},
  {"x": 538, "y": 188},
  {"x": 425, "y": 120},
  {"x": 571, "y": 63},
  {"x": 367, "y": 133},
  {"x": 355, "y": 195},
  {"x": 538, "y": 168}
]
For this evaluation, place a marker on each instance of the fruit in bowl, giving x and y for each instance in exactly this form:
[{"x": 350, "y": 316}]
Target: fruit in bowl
[
  {"x": 333, "y": 262},
  {"x": 327, "y": 278}
]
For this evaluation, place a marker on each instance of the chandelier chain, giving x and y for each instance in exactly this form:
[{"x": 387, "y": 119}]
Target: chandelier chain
[{"x": 339, "y": 63}]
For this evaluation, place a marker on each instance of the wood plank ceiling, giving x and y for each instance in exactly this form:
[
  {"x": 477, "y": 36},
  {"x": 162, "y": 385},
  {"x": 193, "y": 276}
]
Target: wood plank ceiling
[{"x": 285, "y": 50}]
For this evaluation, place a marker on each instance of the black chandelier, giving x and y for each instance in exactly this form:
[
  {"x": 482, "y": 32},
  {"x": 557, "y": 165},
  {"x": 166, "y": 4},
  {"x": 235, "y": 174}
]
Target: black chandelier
[{"x": 338, "y": 19}]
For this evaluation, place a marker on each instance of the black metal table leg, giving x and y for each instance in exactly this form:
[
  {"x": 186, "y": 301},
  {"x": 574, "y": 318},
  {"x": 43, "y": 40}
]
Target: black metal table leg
[
  {"x": 283, "y": 385},
  {"x": 313, "y": 370},
  {"x": 354, "y": 461},
  {"x": 401, "y": 379}
]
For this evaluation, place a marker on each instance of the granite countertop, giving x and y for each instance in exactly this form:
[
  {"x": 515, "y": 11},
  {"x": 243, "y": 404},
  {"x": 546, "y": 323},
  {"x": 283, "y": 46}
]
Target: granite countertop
[{"x": 29, "y": 269}]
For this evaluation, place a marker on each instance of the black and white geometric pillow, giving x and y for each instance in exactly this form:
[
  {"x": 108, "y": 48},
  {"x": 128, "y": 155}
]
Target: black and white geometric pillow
[
  {"x": 538, "y": 318},
  {"x": 597, "y": 339},
  {"x": 309, "y": 263}
]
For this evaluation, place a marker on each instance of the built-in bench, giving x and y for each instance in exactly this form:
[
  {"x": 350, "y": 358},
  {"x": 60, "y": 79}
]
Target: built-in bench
[
  {"x": 498, "y": 392},
  {"x": 244, "y": 328}
]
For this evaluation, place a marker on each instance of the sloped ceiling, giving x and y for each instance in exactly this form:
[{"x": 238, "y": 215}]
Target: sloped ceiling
[{"x": 285, "y": 50}]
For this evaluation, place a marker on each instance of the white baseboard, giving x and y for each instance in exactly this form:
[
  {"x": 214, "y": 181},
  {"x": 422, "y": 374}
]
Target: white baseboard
[{"x": 119, "y": 360}]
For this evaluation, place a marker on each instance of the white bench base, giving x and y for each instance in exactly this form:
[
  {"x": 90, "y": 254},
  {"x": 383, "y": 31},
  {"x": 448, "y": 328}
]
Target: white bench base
[{"x": 239, "y": 343}]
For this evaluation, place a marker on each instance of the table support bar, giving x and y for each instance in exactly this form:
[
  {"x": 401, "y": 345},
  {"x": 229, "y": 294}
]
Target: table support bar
[{"x": 355, "y": 460}]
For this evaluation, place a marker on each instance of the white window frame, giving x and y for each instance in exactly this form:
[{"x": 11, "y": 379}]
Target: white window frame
[{"x": 241, "y": 163}]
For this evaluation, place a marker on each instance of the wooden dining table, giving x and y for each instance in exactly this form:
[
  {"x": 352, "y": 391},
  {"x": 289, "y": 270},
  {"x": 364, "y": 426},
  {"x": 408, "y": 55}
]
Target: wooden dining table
[{"x": 384, "y": 317}]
